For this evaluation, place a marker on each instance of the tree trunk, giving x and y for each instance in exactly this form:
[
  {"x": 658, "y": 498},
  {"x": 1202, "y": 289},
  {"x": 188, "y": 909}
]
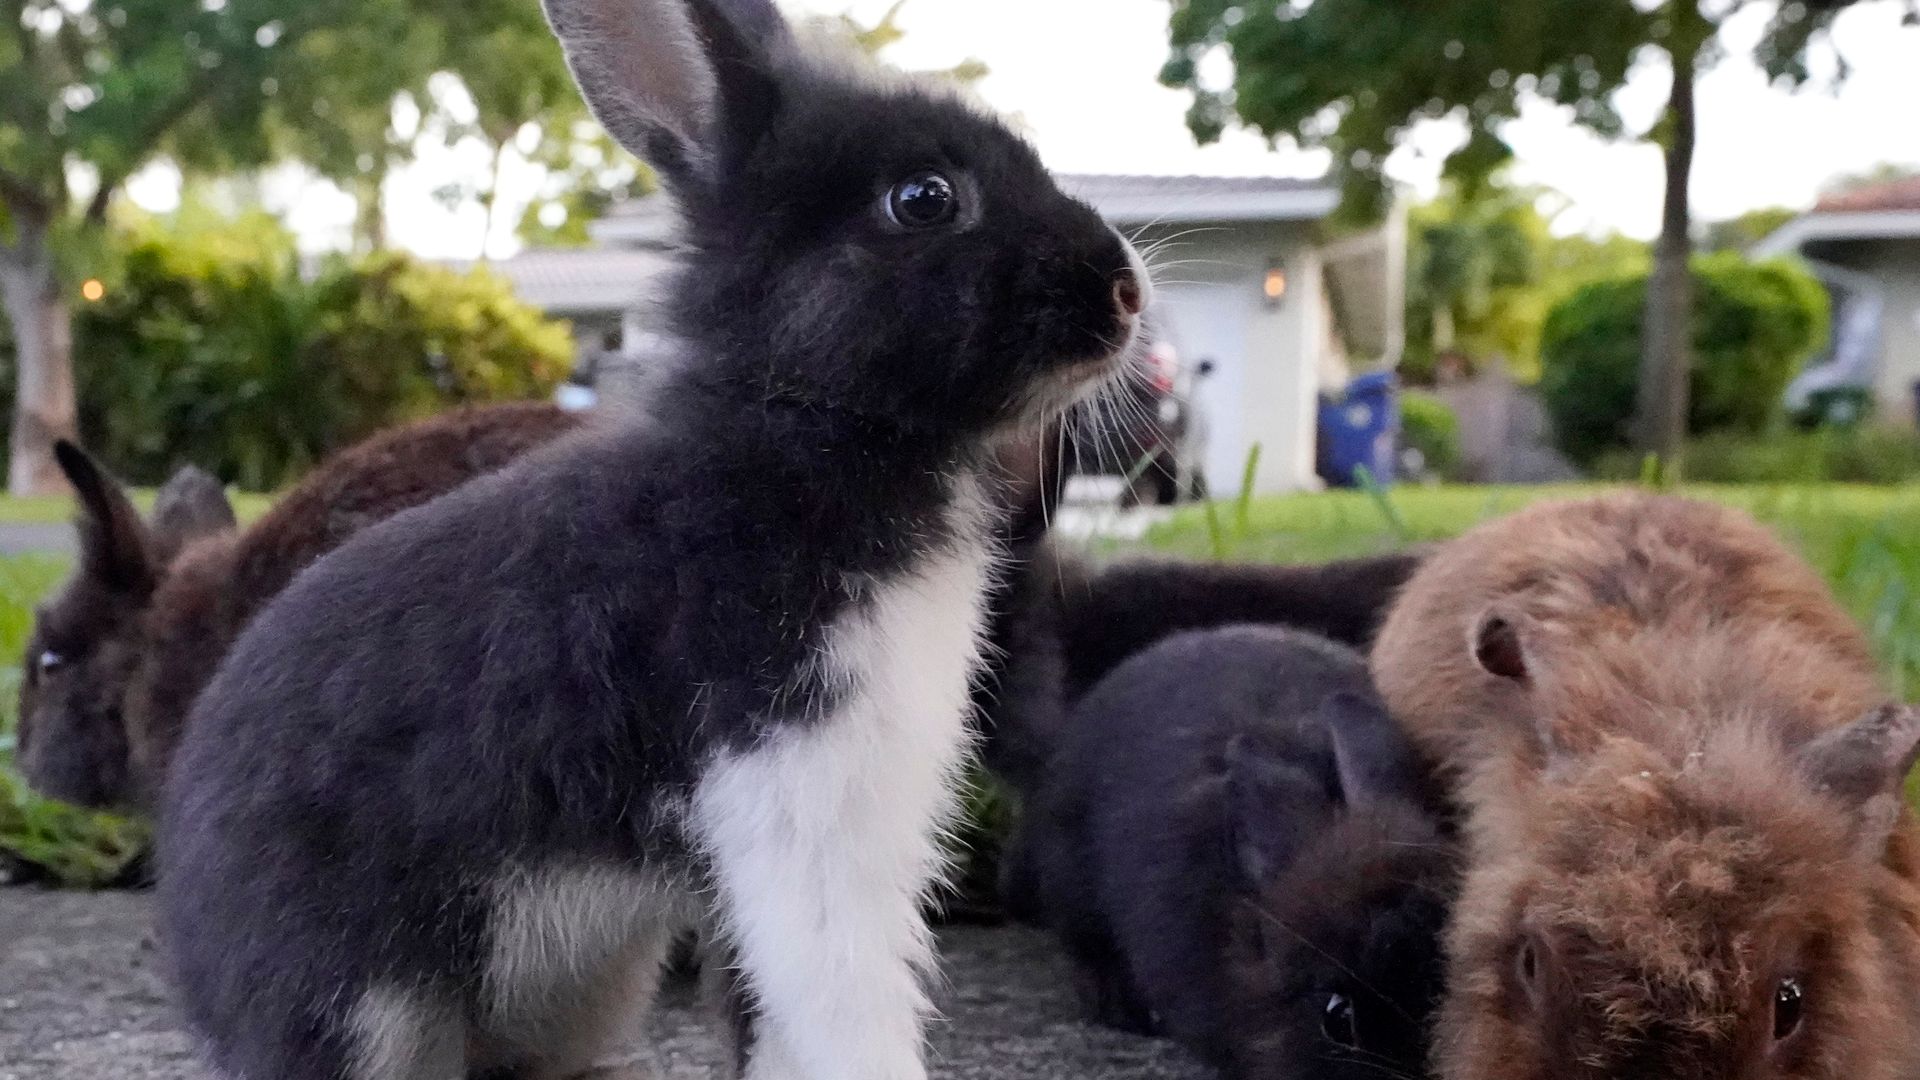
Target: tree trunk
[
  {"x": 491, "y": 200},
  {"x": 1666, "y": 357},
  {"x": 370, "y": 210},
  {"x": 1443, "y": 332},
  {"x": 43, "y": 405}
]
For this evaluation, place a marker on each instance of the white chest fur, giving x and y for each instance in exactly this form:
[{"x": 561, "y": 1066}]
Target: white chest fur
[{"x": 825, "y": 837}]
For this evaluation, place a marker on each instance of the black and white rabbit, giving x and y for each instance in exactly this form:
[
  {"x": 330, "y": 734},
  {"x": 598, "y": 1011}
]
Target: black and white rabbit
[
  {"x": 1235, "y": 844},
  {"x": 454, "y": 790}
]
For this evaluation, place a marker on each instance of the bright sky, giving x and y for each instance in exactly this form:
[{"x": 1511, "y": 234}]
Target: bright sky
[{"x": 1080, "y": 74}]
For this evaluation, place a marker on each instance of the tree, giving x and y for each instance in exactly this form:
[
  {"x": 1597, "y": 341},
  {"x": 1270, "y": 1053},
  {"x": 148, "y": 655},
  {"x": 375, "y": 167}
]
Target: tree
[
  {"x": 343, "y": 124},
  {"x": 587, "y": 172},
  {"x": 1354, "y": 75},
  {"x": 1745, "y": 230},
  {"x": 877, "y": 38},
  {"x": 523, "y": 99},
  {"x": 92, "y": 92},
  {"x": 1883, "y": 173},
  {"x": 1473, "y": 258}
]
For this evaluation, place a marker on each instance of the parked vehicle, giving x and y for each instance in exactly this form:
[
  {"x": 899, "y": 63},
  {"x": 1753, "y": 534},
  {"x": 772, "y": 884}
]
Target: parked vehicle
[{"x": 1150, "y": 436}]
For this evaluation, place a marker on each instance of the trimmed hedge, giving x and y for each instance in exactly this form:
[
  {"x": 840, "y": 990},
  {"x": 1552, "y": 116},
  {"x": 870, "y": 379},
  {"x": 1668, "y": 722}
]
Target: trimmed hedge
[{"x": 1754, "y": 325}]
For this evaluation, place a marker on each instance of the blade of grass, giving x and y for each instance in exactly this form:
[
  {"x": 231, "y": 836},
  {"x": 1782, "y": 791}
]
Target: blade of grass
[
  {"x": 1243, "y": 508},
  {"x": 1383, "y": 503}
]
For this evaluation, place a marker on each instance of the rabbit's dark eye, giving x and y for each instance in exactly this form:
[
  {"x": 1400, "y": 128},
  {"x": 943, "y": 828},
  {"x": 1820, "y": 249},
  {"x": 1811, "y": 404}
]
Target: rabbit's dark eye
[
  {"x": 1527, "y": 963},
  {"x": 922, "y": 201},
  {"x": 49, "y": 662},
  {"x": 1789, "y": 1002},
  {"x": 1337, "y": 1023}
]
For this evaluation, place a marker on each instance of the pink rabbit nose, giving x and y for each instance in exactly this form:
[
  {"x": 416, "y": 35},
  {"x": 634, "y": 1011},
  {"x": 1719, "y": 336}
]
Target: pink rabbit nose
[{"x": 1127, "y": 292}]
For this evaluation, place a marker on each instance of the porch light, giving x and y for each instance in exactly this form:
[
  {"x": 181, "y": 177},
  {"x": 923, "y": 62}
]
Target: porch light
[{"x": 1275, "y": 285}]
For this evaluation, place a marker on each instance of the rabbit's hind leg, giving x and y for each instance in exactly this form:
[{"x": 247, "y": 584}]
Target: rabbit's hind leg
[
  {"x": 574, "y": 965},
  {"x": 398, "y": 1035}
]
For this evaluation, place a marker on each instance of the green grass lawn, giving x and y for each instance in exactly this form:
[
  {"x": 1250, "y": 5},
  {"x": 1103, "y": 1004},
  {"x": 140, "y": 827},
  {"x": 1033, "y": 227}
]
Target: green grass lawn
[
  {"x": 1865, "y": 540},
  {"x": 55, "y": 509}
]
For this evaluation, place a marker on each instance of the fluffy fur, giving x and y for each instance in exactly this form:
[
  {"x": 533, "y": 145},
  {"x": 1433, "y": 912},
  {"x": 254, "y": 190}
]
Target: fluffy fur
[
  {"x": 1061, "y": 625},
  {"x": 153, "y": 606},
  {"x": 1234, "y": 847},
  {"x": 1687, "y": 853},
  {"x": 724, "y": 649}
]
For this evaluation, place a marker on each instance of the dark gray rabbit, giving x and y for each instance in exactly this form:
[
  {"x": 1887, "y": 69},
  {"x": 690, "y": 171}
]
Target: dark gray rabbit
[
  {"x": 453, "y": 791},
  {"x": 1234, "y": 843},
  {"x": 1061, "y": 624}
]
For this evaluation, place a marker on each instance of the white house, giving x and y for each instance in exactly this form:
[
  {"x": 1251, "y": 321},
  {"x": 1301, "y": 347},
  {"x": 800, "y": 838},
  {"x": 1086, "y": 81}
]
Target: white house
[
  {"x": 1865, "y": 246},
  {"x": 1248, "y": 280}
]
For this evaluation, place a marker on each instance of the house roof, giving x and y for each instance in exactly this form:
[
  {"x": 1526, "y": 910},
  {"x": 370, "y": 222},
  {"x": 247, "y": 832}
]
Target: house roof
[
  {"x": 1889, "y": 211},
  {"x": 1894, "y": 195},
  {"x": 648, "y": 221},
  {"x": 633, "y": 241},
  {"x": 1135, "y": 200},
  {"x": 567, "y": 281}
]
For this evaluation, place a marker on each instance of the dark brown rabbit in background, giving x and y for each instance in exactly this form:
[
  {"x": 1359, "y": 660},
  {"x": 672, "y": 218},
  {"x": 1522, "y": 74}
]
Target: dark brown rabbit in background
[
  {"x": 1690, "y": 857},
  {"x": 118, "y": 654}
]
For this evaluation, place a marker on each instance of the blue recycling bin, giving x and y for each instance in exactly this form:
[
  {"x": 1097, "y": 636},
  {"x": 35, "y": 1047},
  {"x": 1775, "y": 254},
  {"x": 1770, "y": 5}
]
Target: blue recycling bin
[{"x": 1359, "y": 428}]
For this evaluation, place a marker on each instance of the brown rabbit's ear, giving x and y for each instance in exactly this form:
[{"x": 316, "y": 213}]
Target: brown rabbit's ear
[
  {"x": 1865, "y": 764},
  {"x": 114, "y": 545},
  {"x": 190, "y": 505},
  {"x": 1499, "y": 646}
]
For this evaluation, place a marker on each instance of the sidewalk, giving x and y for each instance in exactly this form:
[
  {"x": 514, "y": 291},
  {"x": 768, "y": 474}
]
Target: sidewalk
[{"x": 80, "y": 999}]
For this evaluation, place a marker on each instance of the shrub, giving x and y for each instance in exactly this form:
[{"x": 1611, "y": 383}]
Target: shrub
[
  {"x": 1754, "y": 325},
  {"x": 196, "y": 354},
  {"x": 1864, "y": 454},
  {"x": 1428, "y": 425},
  {"x": 395, "y": 339},
  {"x": 219, "y": 352}
]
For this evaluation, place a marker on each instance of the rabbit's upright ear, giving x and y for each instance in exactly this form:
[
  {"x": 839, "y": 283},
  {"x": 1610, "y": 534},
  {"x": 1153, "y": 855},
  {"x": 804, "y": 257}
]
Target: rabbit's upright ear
[
  {"x": 192, "y": 504},
  {"x": 1274, "y": 808},
  {"x": 115, "y": 550},
  {"x": 1370, "y": 755},
  {"x": 1865, "y": 764},
  {"x": 674, "y": 81}
]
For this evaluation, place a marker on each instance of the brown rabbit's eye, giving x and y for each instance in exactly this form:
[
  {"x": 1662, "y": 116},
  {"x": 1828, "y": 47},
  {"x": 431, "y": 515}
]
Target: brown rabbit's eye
[
  {"x": 1789, "y": 1003},
  {"x": 1337, "y": 1023},
  {"x": 49, "y": 662},
  {"x": 1527, "y": 963},
  {"x": 922, "y": 201}
]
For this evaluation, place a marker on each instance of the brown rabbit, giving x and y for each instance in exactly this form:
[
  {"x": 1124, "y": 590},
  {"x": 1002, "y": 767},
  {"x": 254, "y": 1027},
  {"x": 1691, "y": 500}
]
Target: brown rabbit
[
  {"x": 118, "y": 654},
  {"x": 1690, "y": 859}
]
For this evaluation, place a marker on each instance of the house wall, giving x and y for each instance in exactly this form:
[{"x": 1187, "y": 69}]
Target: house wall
[
  {"x": 1895, "y": 264},
  {"x": 1266, "y": 357}
]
